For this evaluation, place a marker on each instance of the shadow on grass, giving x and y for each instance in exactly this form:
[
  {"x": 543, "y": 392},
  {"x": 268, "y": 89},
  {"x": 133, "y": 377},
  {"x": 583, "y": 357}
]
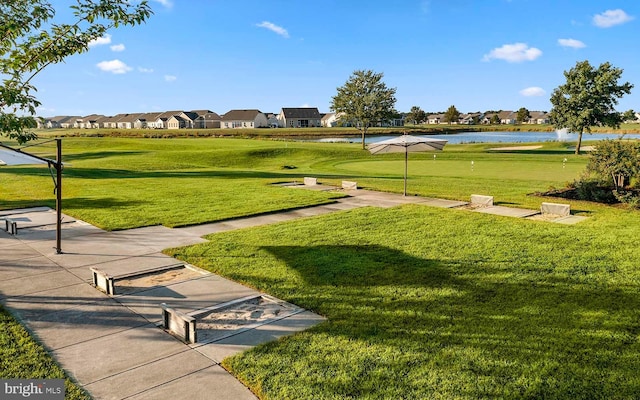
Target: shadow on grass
[
  {"x": 100, "y": 155},
  {"x": 469, "y": 318}
]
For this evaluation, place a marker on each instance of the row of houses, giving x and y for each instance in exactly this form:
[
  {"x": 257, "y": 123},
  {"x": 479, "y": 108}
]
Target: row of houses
[
  {"x": 505, "y": 118},
  {"x": 301, "y": 117},
  {"x": 288, "y": 117}
]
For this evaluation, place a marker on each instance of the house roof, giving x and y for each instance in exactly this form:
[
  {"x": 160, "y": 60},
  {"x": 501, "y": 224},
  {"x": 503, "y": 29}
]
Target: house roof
[
  {"x": 506, "y": 115},
  {"x": 240, "y": 115},
  {"x": 306, "y": 112},
  {"x": 328, "y": 116}
]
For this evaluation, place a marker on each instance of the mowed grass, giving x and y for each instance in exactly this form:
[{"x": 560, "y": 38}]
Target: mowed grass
[
  {"x": 421, "y": 302},
  {"x": 426, "y": 303},
  {"x": 117, "y": 183}
]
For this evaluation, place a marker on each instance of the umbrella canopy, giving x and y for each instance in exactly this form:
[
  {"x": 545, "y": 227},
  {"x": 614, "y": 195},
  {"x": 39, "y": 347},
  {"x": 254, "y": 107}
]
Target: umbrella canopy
[
  {"x": 406, "y": 144},
  {"x": 14, "y": 157}
]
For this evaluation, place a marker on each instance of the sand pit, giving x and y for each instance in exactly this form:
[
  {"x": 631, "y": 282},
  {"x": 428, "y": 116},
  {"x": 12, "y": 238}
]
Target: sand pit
[
  {"x": 138, "y": 282},
  {"x": 512, "y": 148},
  {"x": 240, "y": 316}
]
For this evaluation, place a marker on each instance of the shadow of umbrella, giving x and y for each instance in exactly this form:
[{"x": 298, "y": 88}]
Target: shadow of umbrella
[{"x": 406, "y": 144}]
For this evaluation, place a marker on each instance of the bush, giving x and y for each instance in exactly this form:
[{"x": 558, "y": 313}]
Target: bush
[
  {"x": 593, "y": 190},
  {"x": 629, "y": 197},
  {"x": 616, "y": 161}
]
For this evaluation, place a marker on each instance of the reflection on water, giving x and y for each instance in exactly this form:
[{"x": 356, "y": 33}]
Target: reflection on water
[{"x": 493, "y": 137}]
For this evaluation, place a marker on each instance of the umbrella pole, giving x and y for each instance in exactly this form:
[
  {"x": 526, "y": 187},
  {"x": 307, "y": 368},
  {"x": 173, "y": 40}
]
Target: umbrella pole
[{"x": 406, "y": 161}]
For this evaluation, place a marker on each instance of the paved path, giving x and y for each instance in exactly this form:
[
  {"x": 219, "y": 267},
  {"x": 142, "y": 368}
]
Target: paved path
[{"x": 113, "y": 345}]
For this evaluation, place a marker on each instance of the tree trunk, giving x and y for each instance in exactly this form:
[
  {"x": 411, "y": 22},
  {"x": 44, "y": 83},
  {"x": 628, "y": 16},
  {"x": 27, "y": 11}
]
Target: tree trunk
[
  {"x": 579, "y": 141},
  {"x": 364, "y": 133}
]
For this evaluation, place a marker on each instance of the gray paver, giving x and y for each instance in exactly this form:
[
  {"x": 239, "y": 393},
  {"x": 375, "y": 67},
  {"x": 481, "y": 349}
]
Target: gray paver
[
  {"x": 85, "y": 322},
  {"x": 152, "y": 375},
  {"x": 27, "y": 266},
  {"x": 212, "y": 383},
  {"x": 126, "y": 265},
  {"x": 235, "y": 344},
  {"x": 93, "y": 360},
  {"x": 37, "y": 283},
  {"x": 185, "y": 296},
  {"x": 36, "y": 305},
  {"x": 507, "y": 211}
]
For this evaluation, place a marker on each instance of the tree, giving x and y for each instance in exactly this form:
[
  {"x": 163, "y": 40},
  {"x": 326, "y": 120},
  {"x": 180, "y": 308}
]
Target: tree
[
  {"x": 365, "y": 100},
  {"x": 523, "y": 115},
  {"x": 33, "y": 40},
  {"x": 629, "y": 115},
  {"x": 451, "y": 115},
  {"x": 495, "y": 119},
  {"x": 416, "y": 115},
  {"x": 617, "y": 160},
  {"x": 588, "y": 98}
]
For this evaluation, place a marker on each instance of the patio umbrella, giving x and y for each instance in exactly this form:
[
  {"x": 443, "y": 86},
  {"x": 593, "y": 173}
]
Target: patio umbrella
[
  {"x": 14, "y": 157},
  {"x": 406, "y": 144}
]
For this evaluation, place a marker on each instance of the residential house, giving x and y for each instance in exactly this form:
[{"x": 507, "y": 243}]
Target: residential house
[
  {"x": 54, "y": 122},
  {"x": 507, "y": 117},
  {"x": 178, "y": 122},
  {"x": 91, "y": 121},
  {"x": 538, "y": 117},
  {"x": 69, "y": 122},
  {"x": 329, "y": 120},
  {"x": 470, "y": 118},
  {"x": 127, "y": 121},
  {"x": 235, "y": 119},
  {"x": 206, "y": 119},
  {"x": 272, "y": 120},
  {"x": 299, "y": 118},
  {"x": 435, "y": 118}
]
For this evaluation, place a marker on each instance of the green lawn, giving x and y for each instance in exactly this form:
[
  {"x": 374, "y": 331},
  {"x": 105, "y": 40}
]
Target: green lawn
[
  {"x": 442, "y": 304},
  {"x": 421, "y": 302}
]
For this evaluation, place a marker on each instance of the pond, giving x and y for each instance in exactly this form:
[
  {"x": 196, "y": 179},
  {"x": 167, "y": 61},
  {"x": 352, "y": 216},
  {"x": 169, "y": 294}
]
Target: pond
[{"x": 492, "y": 137}]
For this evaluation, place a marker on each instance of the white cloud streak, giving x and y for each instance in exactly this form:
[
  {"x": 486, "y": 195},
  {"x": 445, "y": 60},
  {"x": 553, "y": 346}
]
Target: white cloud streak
[
  {"x": 573, "y": 43},
  {"x": 114, "y": 66},
  {"x": 274, "y": 28},
  {"x": 117, "y": 47},
  {"x": 533, "y": 91},
  {"x": 106, "y": 39},
  {"x": 170, "y": 78},
  {"x": 165, "y": 3},
  {"x": 145, "y": 70},
  {"x": 513, "y": 53},
  {"x": 611, "y": 18}
]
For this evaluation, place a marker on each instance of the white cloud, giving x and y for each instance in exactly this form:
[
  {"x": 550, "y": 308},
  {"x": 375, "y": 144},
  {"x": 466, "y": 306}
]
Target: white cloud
[
  {"x": 611, "y": 18},
  {"x": 274, "y": 28},
  {"x": 305, "y": 105},
  {"x": 512, "y": 53},
  {"x": 165, "y": 3},
  {"x": 117, "y": 47},
  {"x": 114, "y": 66},
  {"x": 533, "y": 91},
  {"x": 576, "y": 44},
  {"x": 145, "y": 70},
  {"x": 106, "y": 39},
  {"x": 170, "y": 78}
]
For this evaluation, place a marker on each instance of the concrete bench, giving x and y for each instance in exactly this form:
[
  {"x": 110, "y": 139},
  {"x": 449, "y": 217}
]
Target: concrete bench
[
  {"x": 349, "y": 185},
  {"x": 106, "y": 282},
  {"x": 10, "y": 226},
  {"x": 179, "y": 324},
  {"x": 308, "y": 181},
  {"x": 480, "y": 200},
  {"x": 555, "y": 209}
]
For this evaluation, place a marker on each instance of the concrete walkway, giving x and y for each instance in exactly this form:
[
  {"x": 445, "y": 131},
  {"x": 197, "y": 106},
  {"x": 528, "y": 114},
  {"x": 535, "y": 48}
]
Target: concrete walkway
[{"x": 114, "y": 345}]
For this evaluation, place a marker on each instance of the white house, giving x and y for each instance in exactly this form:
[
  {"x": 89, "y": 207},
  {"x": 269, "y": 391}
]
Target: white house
[{"x": 237, "y": 119}]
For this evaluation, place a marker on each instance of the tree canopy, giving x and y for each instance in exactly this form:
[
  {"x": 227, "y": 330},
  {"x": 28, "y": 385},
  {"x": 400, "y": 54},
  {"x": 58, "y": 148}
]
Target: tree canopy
[
  {"x": 364, "y": 100},
  {"x": 451, "y": 115},
  {"x": 588, "y": 99},
  {"x": 33, "y": 39},
  {"x": 523, "y": 115},
  {"x": 416, "y": 115}
]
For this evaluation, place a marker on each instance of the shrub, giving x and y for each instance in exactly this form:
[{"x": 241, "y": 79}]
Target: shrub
[{"x": 617, "y": 161}]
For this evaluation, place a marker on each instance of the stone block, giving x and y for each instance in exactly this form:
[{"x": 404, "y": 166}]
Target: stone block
[
  {"x": 349, "y": 185},
  {"x": 179, "y": 324},
  {"x": 555, "y": 209},
  {"x": 480, "y": 200},
  {"x": 103, "y": 281},
  {"x": 309, "y": 181}
]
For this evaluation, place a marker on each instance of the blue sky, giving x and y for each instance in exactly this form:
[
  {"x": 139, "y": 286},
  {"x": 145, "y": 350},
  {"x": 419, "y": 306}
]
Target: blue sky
[{"x": 264, "y": 54}]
